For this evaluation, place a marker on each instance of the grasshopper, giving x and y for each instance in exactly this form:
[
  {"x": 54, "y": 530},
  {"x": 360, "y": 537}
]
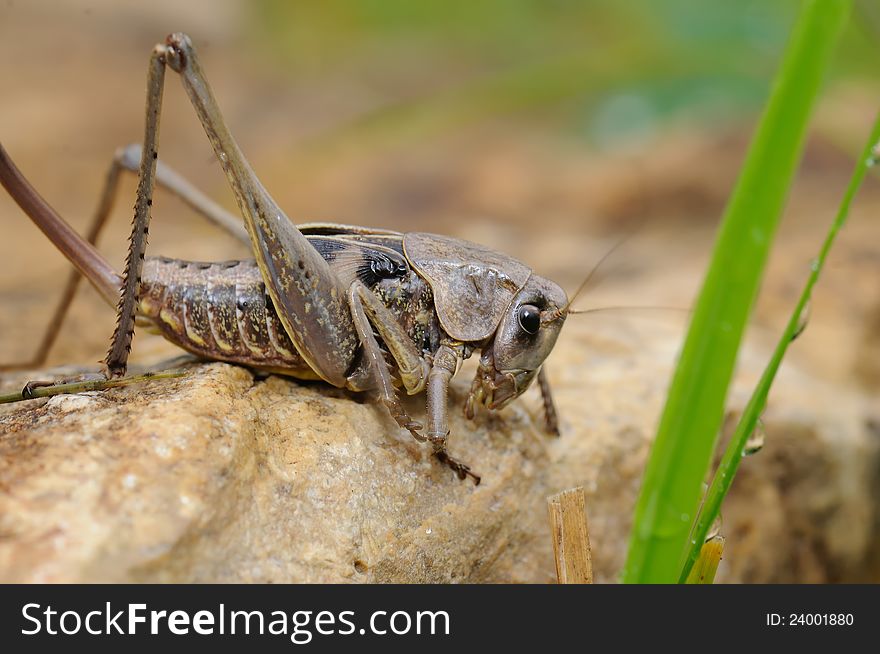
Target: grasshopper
[{"x": 359, "y": 308}]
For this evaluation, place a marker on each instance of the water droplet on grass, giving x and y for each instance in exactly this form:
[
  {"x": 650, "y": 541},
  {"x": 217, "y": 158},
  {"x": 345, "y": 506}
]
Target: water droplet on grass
[
  {"x": 874, "y": 157},
  {"x": 803, "y": 319},
  {"x": 756, "y": 440},
  {"x": 714, "y": 529}
]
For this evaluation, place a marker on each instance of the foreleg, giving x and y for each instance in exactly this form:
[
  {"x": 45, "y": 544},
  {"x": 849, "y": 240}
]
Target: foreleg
[{"x": 445, "y": 364}]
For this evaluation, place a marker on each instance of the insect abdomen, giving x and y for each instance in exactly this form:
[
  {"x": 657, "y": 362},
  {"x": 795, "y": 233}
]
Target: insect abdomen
[{"x": 218, "y": 311}]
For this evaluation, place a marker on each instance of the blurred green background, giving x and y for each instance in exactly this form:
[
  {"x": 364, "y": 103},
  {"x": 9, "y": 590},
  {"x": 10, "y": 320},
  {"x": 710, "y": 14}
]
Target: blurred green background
[
  {"x": 604, "y": 71},
  {"x": 596, "y": 74}
]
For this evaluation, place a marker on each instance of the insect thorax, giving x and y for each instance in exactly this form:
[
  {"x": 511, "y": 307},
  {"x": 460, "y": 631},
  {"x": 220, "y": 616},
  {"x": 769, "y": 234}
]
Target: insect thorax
[{"x": 410, "y": 299}]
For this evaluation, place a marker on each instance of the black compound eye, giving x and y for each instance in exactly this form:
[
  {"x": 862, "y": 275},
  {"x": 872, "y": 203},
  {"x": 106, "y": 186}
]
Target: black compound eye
[{"x": 529, "y": 319}]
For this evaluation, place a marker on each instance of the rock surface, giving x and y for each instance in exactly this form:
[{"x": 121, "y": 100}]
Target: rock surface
[{"x": 217, "y": 477}]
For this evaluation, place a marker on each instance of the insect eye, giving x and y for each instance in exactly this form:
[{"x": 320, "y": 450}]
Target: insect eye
[{"x": 529, "y": 319}]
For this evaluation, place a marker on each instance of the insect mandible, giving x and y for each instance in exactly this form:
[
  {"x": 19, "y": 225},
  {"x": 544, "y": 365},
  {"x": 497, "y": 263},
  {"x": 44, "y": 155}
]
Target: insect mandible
[{"x": 319, "y": 300}]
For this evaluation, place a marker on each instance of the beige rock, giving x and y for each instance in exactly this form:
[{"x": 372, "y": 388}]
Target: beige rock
[{"x": 217, "y": 477}]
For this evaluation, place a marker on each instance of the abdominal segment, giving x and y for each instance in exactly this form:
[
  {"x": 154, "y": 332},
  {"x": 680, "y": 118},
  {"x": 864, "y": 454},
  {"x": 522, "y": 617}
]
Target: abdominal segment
[{"x": 219, "y": 311}]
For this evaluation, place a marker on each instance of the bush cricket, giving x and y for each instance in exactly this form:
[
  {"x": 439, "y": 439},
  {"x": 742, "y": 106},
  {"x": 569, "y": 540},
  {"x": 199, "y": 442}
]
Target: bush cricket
[{"x": 359, "y": 308}]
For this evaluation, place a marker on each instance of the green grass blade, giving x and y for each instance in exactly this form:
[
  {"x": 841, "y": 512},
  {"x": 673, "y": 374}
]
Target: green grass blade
[
  {"x": 749, "y": 420},
  {"x": 707, "y": 562},
  {"x": 692, "y": 416}
]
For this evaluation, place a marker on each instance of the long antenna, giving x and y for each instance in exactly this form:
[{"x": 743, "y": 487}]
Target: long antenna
[
  {"x": 593, "y": 272},
  {"x": 564, "y": 310},
  {"x": 629, "y": 308}
]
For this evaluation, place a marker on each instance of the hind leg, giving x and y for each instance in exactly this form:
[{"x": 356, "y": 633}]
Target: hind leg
[{"x": 126, "y": 159}]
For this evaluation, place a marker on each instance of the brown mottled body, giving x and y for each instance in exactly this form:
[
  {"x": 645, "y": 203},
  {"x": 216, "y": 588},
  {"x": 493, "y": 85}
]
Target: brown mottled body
[
  {"x": 218, "y": 311},
  {"x": 221, "y": 311}
]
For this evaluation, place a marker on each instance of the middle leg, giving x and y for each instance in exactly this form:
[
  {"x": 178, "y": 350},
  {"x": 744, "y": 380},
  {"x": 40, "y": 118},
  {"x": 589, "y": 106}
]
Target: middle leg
[{"x": 414, "y": 371}]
